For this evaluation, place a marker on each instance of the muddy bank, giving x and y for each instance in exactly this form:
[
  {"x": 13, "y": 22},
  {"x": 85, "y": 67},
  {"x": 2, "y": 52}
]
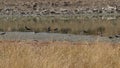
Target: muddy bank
[{"x": 55, "y": 37}]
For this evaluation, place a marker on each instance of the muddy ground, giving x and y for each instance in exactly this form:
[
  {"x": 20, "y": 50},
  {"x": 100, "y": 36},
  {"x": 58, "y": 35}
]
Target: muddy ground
[{"x": 56, "y": 37}]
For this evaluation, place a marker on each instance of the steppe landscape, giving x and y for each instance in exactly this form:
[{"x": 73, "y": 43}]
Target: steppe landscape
[{"x": 59, "y": 33}]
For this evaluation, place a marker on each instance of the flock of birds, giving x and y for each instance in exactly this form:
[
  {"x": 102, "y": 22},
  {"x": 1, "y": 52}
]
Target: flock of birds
[
  {"x": 48, "y": 29},
  {"x": 29, "y": 29},
  {"x": 56, "y": 29},
  {"x": 115, "y": 36}
]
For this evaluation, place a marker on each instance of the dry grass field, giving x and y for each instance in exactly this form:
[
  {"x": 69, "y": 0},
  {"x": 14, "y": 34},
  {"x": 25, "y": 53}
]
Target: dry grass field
[{"x": 32, "y": 54}]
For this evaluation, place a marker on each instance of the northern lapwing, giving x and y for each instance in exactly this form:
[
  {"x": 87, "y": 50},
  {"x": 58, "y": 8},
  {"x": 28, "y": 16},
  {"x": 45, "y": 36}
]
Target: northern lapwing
[
  {"x": 117, "y": 36},
  {"x": 3, "y": 33},
  {"x": 56, "y": 30},
  {"x": 48, "y": 29},
  {"x": 110, "y": 37},
  {"x": 27, "y": 28}
]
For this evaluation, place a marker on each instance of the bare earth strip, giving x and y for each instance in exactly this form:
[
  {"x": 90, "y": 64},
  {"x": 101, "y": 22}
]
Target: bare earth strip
[{"x": 16, "y": 36}]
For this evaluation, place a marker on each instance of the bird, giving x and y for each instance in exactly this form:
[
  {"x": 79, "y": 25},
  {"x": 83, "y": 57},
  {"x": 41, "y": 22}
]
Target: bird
[
  {"x": 117, "y": 36},
  {"x": 27, "y": 28},
  {"x": 110, "y": 37},
  {"x": 85, "y": 31},
  {"x": 3, "y": 33},
  {"x": 56, "y": 30},
  {"x": 48, "y": 29}
]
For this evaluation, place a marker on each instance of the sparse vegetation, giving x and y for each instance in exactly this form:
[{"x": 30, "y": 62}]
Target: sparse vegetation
[
  {"x": 73, "y": 25},
  {"x": 93, "y": 17}
]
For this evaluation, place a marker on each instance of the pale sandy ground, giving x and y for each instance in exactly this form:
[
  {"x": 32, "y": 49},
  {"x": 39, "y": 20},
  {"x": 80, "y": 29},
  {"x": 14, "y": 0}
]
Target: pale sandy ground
[{"x": 55, "y": 37}]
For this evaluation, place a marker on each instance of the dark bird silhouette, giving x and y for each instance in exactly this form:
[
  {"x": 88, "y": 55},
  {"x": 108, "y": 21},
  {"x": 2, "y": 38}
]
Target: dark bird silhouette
[
  {"x": 48, "y": 29},
  {"x": 27, "y": 28},
  {"x": 56, "y": 30},
  {"x": 117, "y": 36},
  {"x": 3, "y": 33},
  {"x": 110, "y": 37},
  {"x": 85, "y": 31}
]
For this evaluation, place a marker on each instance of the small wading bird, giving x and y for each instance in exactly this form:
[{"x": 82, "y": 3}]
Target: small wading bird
[
  {"x": 27, "y": 28},
  {"x": 48, "y": 29},
  {"x": 56, "y": 30},
  {"x": 117, "y": 36},
  {"x": 3, "y": 33},
  {"x": 110, "y": 37}
]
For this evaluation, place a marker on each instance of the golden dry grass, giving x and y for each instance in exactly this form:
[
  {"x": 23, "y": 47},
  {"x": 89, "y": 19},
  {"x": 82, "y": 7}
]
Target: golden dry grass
[{"x": 31, "y": 54}]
